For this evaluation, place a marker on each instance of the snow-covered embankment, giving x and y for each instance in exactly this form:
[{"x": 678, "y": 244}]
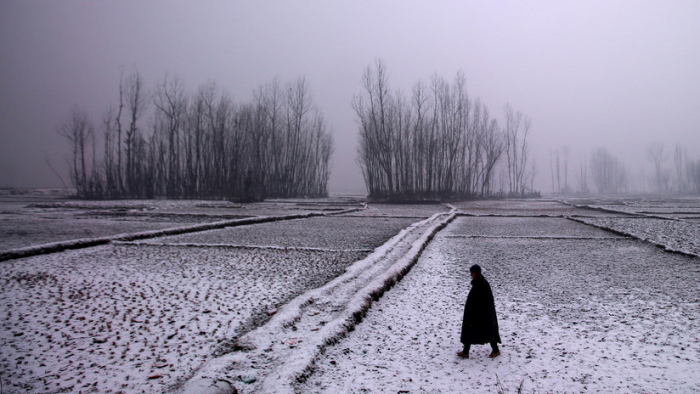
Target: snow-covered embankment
[{"x": 271, "y": 358}]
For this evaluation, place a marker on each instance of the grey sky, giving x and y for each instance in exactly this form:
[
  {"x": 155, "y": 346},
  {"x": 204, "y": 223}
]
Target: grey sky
[{"x": 619, "y": 74}]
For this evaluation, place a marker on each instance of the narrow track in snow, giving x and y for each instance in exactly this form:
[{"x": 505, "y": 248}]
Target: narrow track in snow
[{"x": 271, "y": 358}]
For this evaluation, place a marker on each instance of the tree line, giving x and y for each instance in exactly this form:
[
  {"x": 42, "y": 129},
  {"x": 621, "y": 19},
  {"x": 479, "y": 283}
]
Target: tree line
[
  {"x": 439, "y": 143},
  {"x": 610, "y": 175},
  {"x": 201, "y": 144}
]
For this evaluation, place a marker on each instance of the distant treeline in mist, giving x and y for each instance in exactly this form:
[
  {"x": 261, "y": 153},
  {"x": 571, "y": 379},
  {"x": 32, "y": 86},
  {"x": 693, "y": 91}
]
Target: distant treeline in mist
[
  {"x": 201, "y": 144},
  {"x": 438, "y": 143},
  {"x": 674, "y": 172}
]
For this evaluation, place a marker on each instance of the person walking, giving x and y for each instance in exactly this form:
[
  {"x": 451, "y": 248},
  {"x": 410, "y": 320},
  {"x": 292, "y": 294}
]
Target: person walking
[{"x": 480, "y": 324}]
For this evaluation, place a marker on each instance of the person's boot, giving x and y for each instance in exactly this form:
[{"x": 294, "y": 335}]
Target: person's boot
[
  {"x": 494, "y": 350},
  {"x": 464, "y": 353}
]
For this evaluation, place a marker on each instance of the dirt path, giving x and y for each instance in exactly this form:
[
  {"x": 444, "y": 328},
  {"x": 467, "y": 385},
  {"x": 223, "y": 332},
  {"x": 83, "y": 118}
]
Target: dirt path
[{"x": 580, "y": 310}]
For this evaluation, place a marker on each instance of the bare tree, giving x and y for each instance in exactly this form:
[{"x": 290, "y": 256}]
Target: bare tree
[
  {"x": 417, "y": 141},
  {"x": 136, "y": 104},
  {"x": 532, "y": 173},
  {"x": 559, "y": 167},
  {"x": 299, "y": 106},
  {"x": 582, "y": 177},
  {"x": 373, "y": 110},
  {"x": 608, "y": 174},
  {"x": 171, "y": 103},
  {"x": 517, "y": 148},
  {"x": 693, "y": 176},
  {"x": 118, "y": 123},
  {"x": 47, "y": 161},
  {"x": 679, "y": 160},
  {"x": 566, "y": 153},
  {"x": 271, "y": 100},
  {"x": 78, "y": 130},
  {"x": 493, "y": 148},
  {"x": 552, "y": 171},
  {"x": 656, "y": 155}
]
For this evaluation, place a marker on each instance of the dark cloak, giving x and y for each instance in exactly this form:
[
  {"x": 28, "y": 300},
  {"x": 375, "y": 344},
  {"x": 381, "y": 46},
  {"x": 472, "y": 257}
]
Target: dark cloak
[{"x": 480, "y": 324}]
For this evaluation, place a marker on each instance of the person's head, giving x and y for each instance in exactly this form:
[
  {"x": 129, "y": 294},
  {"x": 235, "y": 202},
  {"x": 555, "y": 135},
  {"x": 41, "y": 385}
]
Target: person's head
[{"x": 475, "y": 270}]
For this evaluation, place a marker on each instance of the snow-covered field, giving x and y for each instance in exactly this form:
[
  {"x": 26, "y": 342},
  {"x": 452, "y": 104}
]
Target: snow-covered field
[
  {"x": 33, "y": 221},
  {"x": 673, "y": 224},
  {"x": 600, "y": 313},
  {"x": 656, "y": 207},
  {"x": 140, "y": 317},
  {"x": 328, "y": 232},
  {"x": 581, "y": 309},
  {"x": 110, "y": 317}
]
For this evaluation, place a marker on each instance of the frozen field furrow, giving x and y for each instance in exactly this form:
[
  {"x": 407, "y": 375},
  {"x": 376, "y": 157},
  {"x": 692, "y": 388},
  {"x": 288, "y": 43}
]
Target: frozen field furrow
[
  {"x": 582, "y": 309},
  {"x": 21, "y": 232},
  {"x": 337, "y": 232},
  {"x": 675, "y": 235},
  {"x": 401, "y": 210},
  {"x": 241, "y": 246},
  {"x": 669, "y": 208},
  {"x": 588, "y": 315},
  {"x": 38, "y": 222},
  {"x": 139, "y": 317},
  {"x": 274, "y": 356},
  {"x": 516, "y": 208},
  {"x": 106, "y": 319},
  {"x": 520, "y": 226},
  {"x": 26, "y": 222},
  {"x": 171, "y": 231}
]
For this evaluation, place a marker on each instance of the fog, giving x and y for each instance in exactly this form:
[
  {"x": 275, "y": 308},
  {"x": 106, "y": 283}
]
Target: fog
[{"x": 621, "y": 74}]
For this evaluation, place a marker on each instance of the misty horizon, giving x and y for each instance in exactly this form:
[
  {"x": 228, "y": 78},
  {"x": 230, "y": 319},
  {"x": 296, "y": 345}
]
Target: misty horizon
[{"x": 619, "y": 76}]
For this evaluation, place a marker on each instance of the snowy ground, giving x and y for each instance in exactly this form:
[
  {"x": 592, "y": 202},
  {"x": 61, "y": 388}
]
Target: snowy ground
[
  {"x": 330, "y": 232},
  {"x": 141, "y": 317},
  {"x": 596, "y": 313},
  {"x": 656, "y": 207},
  {"x": 108, "y": 318},
  {"x": 33, "y": 220},
  {"x": 671, "y": 224},
  {"x": 581, "y": 309},
  {"x": 675, "y": 235}
]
